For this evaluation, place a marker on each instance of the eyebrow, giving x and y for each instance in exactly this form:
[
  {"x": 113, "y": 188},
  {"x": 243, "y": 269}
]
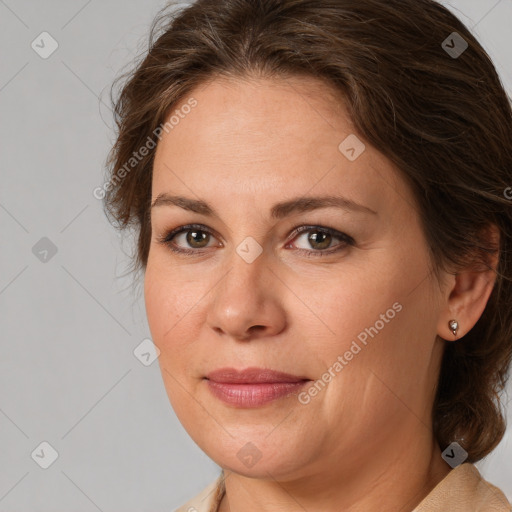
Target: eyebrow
[{"x": 278, "y": 211}]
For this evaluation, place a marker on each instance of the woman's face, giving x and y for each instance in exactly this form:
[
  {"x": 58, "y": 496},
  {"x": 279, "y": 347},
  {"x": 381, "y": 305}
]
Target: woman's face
[{"x": 348, "y": 306}]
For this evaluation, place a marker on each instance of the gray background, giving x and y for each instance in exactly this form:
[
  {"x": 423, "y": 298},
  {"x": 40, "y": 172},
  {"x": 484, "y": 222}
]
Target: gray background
[{"x": 70, "y": 325}]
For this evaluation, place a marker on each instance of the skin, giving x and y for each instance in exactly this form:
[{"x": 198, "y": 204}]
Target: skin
[{"x": 365, "y": 442}]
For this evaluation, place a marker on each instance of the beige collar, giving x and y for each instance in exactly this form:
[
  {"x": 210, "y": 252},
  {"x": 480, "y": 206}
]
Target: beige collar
[
  {"x": 463, "y": 489},
  {"x": 208, "y": 499}
]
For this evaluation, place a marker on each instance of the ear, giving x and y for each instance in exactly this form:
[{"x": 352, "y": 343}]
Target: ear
[{"x": 469, "y": 289}]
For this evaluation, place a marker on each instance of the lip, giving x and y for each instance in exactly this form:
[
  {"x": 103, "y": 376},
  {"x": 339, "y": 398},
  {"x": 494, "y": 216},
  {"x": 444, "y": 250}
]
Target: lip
[
  {"x": 251, "y": 376},
  {"x": 252, "y": 387}
]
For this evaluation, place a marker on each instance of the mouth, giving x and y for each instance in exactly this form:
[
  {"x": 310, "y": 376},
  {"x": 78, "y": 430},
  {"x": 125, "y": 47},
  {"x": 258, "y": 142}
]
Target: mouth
[{"x": 252, "y": 387}]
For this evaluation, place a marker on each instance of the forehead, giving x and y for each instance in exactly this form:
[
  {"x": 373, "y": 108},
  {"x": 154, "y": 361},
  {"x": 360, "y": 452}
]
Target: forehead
[
  {"x": 268, "y": 137},
  {"x": 260, "y": 118}
]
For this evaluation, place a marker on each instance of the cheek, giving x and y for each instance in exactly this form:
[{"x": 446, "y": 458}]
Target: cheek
[
  {"x": 174, "y": 312},
  {"x": 353, "y": 301},
  {"x": 168, "y": 304},
  {"x": 169, "y": 314},
  {"x": 380, "y": 312},
  {"x": 158, "y": 297},
  {"x": 385, "y": 328}
]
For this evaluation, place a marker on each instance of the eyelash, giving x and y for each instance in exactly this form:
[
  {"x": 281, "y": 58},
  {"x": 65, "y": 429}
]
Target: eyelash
[{"x": 347, "y": 240}]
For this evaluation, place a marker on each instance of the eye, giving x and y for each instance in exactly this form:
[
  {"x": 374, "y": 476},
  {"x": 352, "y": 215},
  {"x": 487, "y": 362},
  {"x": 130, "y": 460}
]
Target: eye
[
  {"x": 196, "y": 236},
  {"x": 320, "y": 238},
  {"x": 190, "y": 239}
]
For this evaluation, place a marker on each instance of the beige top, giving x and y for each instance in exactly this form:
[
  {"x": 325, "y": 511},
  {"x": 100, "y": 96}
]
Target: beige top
[{"x": 462, "y": 490}]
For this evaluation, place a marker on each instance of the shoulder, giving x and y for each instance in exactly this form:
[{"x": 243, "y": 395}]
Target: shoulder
[
  {"x": 464, "y": 489},
  {"x": 207, "y": 500}
]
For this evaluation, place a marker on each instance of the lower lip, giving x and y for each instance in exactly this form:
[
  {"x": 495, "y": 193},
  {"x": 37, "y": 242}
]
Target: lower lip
[{"x": 255, "y": 394}]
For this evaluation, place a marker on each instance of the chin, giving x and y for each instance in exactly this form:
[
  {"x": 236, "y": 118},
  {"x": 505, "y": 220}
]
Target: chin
[{"x": 256, "y": 454}]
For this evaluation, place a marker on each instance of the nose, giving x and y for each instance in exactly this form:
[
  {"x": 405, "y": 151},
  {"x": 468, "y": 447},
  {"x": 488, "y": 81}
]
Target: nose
[{"x": 247, "y": 302}]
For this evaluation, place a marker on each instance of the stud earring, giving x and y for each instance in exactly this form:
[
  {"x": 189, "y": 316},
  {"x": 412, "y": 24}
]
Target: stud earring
[{"x": 454, "y": 326}]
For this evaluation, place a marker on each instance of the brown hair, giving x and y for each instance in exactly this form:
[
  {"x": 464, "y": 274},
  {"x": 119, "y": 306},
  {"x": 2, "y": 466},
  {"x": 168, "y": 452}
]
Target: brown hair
[{"x": 444, "y": 120}]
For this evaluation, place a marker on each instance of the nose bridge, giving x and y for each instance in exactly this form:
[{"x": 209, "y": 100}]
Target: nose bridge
[
  {"x": 246, "y": 255},
  {"x": 246, "y": 267}
]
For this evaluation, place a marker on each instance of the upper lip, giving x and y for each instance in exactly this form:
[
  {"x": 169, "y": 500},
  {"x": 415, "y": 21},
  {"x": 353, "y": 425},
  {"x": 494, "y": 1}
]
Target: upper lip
[{"x": 251, "y": 375}]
